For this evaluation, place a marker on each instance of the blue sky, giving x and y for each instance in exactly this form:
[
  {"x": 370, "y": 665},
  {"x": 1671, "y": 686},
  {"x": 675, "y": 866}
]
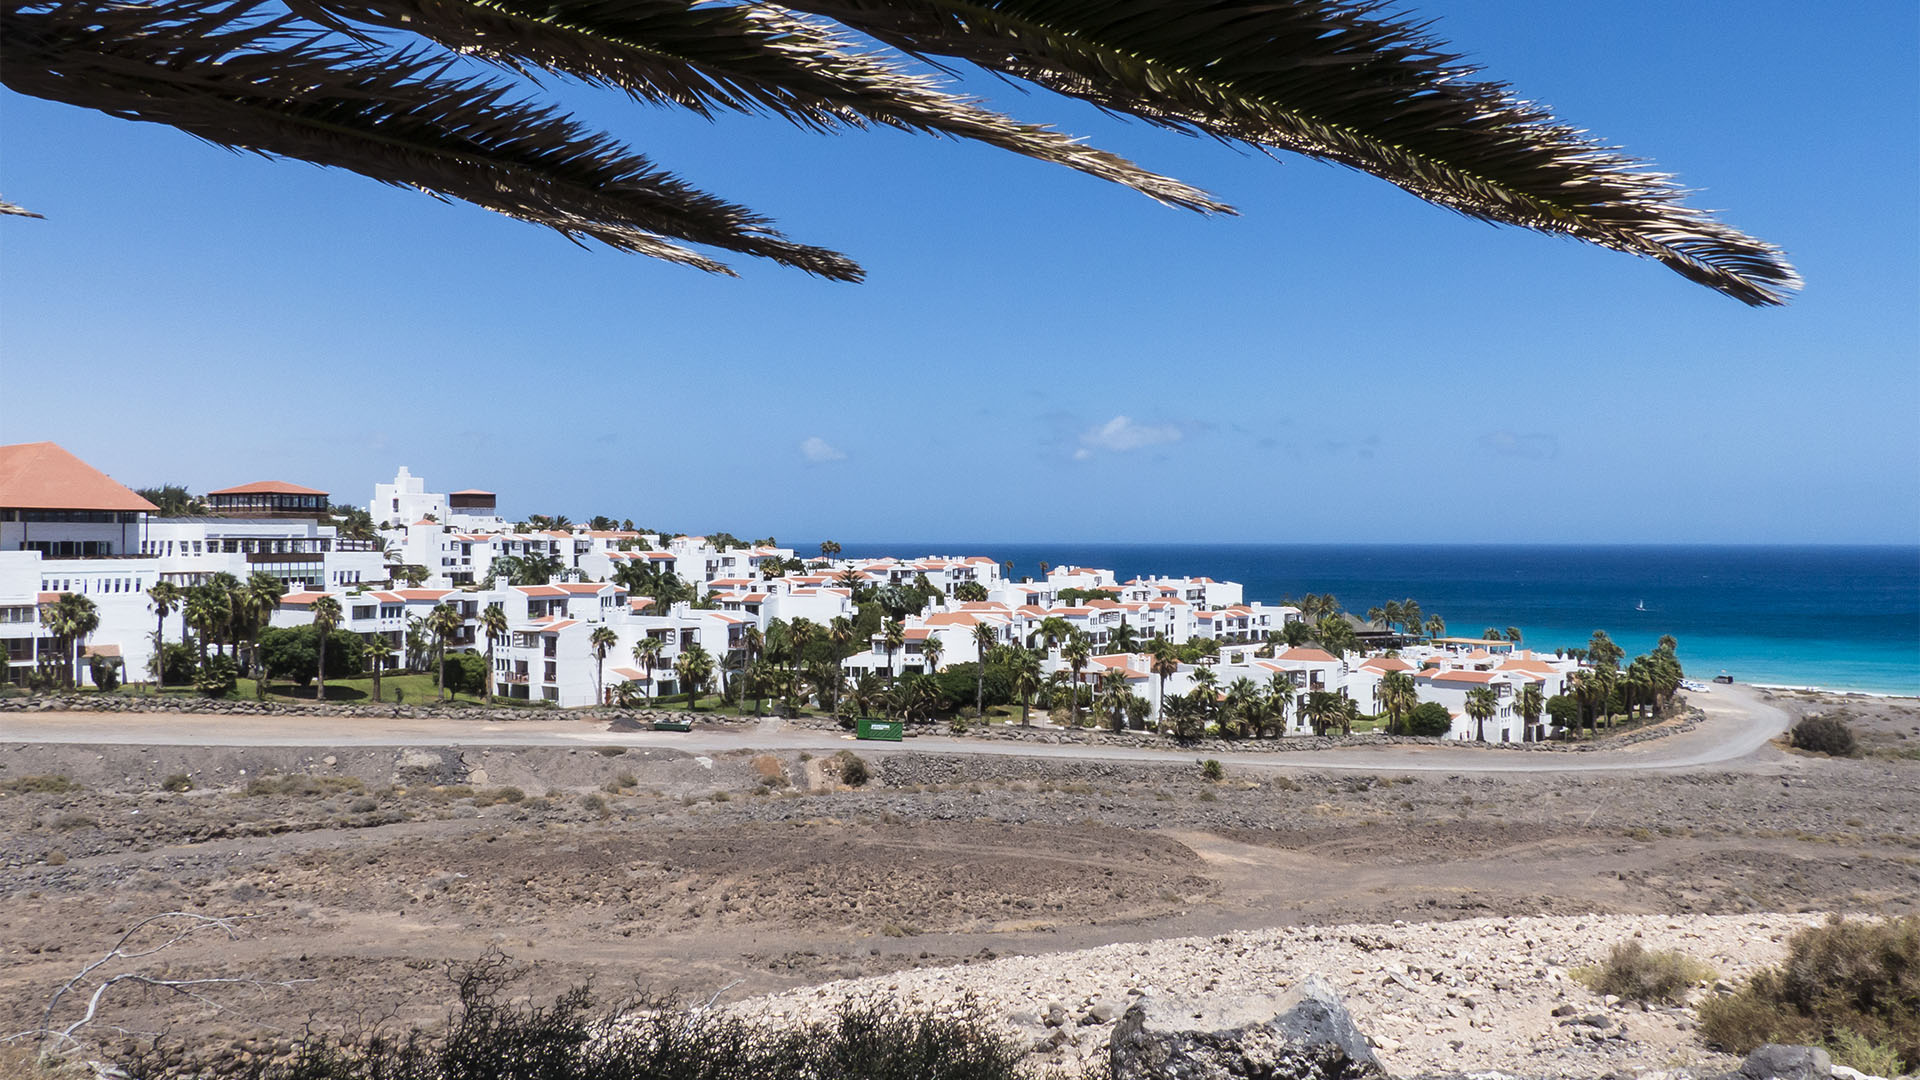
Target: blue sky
[{"x": 1036, "y": 355}]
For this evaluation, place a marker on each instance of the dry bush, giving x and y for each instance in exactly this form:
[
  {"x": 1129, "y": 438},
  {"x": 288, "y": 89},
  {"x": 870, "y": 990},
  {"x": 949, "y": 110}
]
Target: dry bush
[
  {"x": 38, "y": 785},
  {"x": 851, "y": 767},
  {"x": 304, "y": 785},
  {"x": 1847, "y": 984},
  {"x": 768, "y": 768},
  {"x": 1825, "y": 735},
  {"x": 1637, "y": 973}
]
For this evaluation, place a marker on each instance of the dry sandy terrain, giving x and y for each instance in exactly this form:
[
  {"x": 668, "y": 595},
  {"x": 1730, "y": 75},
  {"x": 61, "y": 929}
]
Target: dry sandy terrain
[{"x": 370, "y": 868}]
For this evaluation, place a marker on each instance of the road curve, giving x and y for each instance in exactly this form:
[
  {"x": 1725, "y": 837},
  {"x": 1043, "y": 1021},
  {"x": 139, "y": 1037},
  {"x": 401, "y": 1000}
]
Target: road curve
[{"x": 1738, "y": 724}]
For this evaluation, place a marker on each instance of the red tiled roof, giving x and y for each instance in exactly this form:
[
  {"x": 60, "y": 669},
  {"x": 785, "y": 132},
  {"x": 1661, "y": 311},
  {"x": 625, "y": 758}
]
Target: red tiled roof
[
  {"x": 540, "y": 590},
  {"x": 422, "y": 594},
  {"x": 268, "y": 487},
  {"x": 44, "y": 476}
]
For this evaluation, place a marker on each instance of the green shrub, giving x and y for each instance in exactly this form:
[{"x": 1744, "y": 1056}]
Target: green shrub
[
  {"x": 1210, "y": 770},
  {"x": 1429, "y": 718},
  {"x": 1852, "y": 982},
  {"x": 1636, "y": 973},
  {"x": 177, "y": 782},
  {"x": 105, "y": 672},
  {"x": 293, "y": 652},
  {"x": 1825, "y": 735},
  {"x": 217, "y": 677},
  {"x": 853, "y": 770}
]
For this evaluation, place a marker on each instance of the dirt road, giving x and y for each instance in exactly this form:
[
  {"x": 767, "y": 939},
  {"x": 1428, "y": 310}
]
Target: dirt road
[{"x": 1739, "y": 722}]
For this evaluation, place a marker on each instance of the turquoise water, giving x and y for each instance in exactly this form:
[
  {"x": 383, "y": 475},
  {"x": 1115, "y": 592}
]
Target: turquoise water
[{"x": 1841, "y": 617}]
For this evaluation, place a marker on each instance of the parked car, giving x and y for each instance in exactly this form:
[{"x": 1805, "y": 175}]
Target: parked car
[{"x": 1723, "y": 677}]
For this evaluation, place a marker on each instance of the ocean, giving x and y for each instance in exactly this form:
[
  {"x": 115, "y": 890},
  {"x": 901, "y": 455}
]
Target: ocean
[{"x": 1838, "y": 617}]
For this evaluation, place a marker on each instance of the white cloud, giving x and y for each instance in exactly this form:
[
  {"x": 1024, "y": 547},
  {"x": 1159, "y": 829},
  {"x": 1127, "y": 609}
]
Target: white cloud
[
  {"x": 1521, "y": 445},
  {"x": 1121, "y": 434},
  {"x": 816, "y": 449}
]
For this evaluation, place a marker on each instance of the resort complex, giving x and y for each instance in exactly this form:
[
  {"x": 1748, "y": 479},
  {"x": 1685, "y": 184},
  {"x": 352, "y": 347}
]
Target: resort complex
[{"x": 101, "y": 585}]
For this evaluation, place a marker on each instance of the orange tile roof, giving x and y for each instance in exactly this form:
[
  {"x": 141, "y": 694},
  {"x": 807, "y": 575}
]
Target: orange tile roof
[
  {"x": 553, "y": 626},
  {"x": 268, "y": 487},
  {"x": 422, "y": 594},
  {"x": 300, "y": 599},
  {"x": 630, "y": 674},
  {"x": 1314, "y": 656},
  {"x": 1388, "y": 663},
  {"x": 640, "y": 603},
  {"x": 1459, "y": 676},
  {"x": 44, "y": 476},
  {"x": 581, "y": 587}
]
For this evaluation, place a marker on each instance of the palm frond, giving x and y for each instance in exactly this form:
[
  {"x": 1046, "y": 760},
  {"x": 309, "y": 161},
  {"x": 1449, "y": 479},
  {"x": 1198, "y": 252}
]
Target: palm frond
[
  {"x": 1343, "y": 81},
  {"x": 281, "y": 86},
  {"x": 750, "y": 58}
]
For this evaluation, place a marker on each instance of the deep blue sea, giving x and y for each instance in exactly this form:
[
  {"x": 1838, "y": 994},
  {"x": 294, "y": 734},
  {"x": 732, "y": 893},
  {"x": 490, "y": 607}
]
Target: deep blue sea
[{"x": 1841, "y": 617}]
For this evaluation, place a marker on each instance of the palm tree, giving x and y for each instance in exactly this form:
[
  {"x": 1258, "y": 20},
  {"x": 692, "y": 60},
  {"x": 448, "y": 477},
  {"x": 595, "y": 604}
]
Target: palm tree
[
  {"x": 1076, "y": 653},
  {"x": 1410, "y": 616},
  {"x": 224, "y": 588},
  {"x": 1602, "y": 652},
  {"x": 443, "y": 622},
  {"x": 1436, "y": 626},
  {"x": 694, "y": 666},
  {"x": 379, "y": 651},
  {"x": 1398, "y": 697},
  {"x": 1114, "y": 693},
  {"x": 1335, "y": 635},
  {"x": 931, "y": 649},
  {"x": 72, "y": 618},
  {"x": 841, "y": 632},
  {"x": 1165, "y": 661},
  {"x": 894, "y": 636},
  {"x": 1384, "y": 97},
  {"x": 1529, "y": 703},
  {"x": 1280, "y": 691},
  {"x": 1482, "y": 703},
  {"x": 206, "y": 611},
  {"x": 1513, "y": 634},
  {"x": 326, "y": 616},
  {"x": 647, "y": 652},
  {"x": 163, "y": 599},
  {"x": 1491, "y": 633},
  {"x": 258, "y": 600},
  {"x": 1025, "y": 667},
  {"x": 1123, "y": 639},
  {"x": 1296, "y": 633},
  {"x": 1238, "y": 712},
  {"x": 493, "y": 623},
  {"x": 985, "y": 639},
  {"x": 601, "y": 641},
  {"x": 1051, "y": 631}
]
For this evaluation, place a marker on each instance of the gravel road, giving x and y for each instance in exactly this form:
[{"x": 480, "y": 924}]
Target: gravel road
[{"x": 1739, "y": 721}]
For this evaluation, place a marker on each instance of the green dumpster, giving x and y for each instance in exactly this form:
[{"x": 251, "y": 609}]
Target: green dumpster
[
  {"x": 672, "y": 725},
  {"x": 883, "y": 730}
]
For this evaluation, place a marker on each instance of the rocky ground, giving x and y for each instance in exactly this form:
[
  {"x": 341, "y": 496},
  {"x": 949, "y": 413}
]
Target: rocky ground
[
  {"x": 1497, "y": 993},
  {"x": 364, "y": 872},
  {"x": 1887, "y": 728}
]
